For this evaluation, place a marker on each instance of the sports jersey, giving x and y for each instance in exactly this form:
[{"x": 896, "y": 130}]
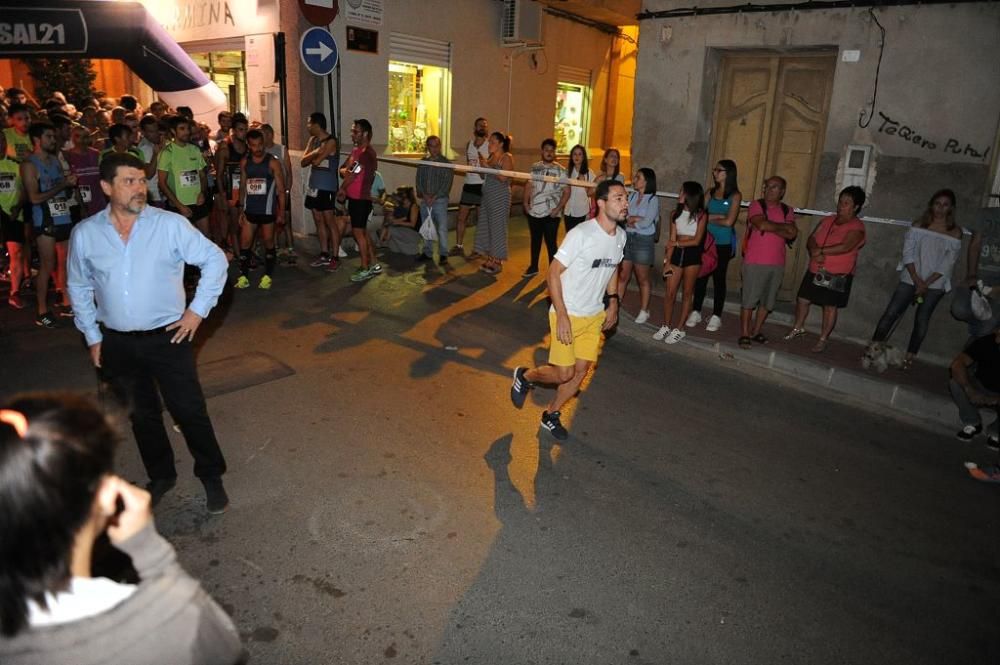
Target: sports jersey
[
  {"x": 10, "y": 184},
  {"x": 88, "y": 179},
  {"x": 18, "y": 145},
  {"x": 323, "y": 176},
  {"x": 55, "y": 210},
  {"x": 231, "y": 184},
  {"x": 183, "y": 165},
  {"x": 260, "y": 197}
]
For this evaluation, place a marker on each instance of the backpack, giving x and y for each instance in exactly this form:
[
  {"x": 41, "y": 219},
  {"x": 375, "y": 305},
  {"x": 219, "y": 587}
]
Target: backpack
[{"x": 709, "y": 256}]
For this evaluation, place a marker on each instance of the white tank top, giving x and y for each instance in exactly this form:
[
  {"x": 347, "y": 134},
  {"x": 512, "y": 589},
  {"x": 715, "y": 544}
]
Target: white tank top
[{"x": 686, "y": 224}]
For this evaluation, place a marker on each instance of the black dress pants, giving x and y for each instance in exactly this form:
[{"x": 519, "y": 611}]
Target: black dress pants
[
  {"x": 139, "y": 369},
  {"x": 546, "y": 228}
]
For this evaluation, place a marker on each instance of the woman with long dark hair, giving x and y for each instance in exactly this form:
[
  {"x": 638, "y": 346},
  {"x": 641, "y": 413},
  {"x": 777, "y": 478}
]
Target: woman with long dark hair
[
  {"x": 58, "y": 494},
  {"x": 640, "y": 247},
  {"x": 578, "y": 206},
  {"x": 682, "y": 257},
  {"x": 930, "y": 249},
  {"x": 491, "y": 232},
  {"x": 723, "y": 208}
]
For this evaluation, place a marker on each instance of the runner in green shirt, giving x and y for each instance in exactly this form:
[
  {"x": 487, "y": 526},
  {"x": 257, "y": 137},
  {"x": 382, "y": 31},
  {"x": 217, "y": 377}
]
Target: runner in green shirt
[
  {"x": 18, "y": 142},
  {"x": 181, "y": 173},
  {"x": 11, "y": 204}
]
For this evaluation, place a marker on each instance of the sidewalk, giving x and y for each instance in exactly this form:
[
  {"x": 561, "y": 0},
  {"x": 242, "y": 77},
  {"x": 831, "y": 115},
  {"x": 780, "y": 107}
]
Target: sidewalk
[{"x": 920, "y": 392}]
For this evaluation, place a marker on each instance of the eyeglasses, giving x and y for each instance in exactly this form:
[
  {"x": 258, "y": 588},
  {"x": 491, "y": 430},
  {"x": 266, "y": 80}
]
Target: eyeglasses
[{"x": 718, "y": 170}]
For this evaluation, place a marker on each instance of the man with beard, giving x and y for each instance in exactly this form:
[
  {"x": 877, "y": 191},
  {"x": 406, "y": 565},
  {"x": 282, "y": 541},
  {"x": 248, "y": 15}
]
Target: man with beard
[
  {"x": 49, "y": 192},
  {"x": 476, "y": 153},
  {"x": 262, "y": 191},
  {"x": 228, "y": 155},
  {"x": 358, "y": 173},
  {"x": 181, "y": 175},
  {"x": 126, "y": 273},
  {"x": 583, "y": 274}
]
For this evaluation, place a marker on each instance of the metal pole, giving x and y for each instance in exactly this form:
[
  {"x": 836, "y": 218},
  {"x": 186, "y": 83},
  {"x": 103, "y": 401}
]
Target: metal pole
[
  {"x": 329, "y": 94},
  {"x": 336, "y": 131}
]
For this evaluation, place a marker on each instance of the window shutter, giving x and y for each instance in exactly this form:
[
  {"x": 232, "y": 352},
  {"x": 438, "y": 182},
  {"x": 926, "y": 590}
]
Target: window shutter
[{"x": 419, "y": 50}]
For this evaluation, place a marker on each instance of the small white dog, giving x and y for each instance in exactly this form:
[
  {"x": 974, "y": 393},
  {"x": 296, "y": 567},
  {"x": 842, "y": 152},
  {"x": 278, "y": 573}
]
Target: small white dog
[{"x": 881, "y": 356}]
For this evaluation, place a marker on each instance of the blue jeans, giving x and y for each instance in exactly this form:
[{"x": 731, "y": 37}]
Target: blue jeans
[
  {"x": 902, "y": 298},
  {"x": 439, "y": 214}
]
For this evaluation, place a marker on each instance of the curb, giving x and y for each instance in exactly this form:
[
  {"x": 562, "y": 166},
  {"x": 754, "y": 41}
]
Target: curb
[{"x": 915, "y": 403}]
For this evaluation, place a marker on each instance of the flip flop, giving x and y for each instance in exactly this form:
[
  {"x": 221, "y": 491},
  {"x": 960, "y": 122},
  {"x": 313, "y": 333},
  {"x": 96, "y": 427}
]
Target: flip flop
[{"x": 746, "y": 342}]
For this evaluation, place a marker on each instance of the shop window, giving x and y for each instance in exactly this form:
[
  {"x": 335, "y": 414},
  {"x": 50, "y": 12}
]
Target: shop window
[
  {"x": 418, "y": 106},
  {"x": 227, "y": 69},
  {"x": 572, "y": 109}
]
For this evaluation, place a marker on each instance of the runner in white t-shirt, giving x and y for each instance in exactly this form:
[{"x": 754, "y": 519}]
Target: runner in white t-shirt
[
  {"x": 583, "y": 274},
  {"x": 476, "y": 153}
]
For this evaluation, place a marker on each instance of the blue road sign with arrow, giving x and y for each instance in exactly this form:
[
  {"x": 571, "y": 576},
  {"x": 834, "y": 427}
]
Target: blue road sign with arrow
[{"x": 318, "y": 50}]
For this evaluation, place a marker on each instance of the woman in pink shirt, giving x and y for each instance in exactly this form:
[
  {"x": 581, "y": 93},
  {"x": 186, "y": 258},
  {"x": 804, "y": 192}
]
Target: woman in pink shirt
[{"x": 833, "y": 251}]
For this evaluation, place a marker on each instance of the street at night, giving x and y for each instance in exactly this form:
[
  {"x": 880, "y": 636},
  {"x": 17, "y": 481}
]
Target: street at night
[{"x": 390, "y": 505}]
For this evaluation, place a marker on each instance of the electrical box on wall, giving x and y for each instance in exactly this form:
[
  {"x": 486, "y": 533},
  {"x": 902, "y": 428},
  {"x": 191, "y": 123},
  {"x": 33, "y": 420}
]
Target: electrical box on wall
[{"x": 857, "y": 163}]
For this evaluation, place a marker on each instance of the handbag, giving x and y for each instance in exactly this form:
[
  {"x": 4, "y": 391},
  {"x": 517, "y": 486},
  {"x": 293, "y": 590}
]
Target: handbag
[
  {"x": 427, "y": 230},
  {"x": 709, "y": 256},
  {"x": 825, "y": 279}
]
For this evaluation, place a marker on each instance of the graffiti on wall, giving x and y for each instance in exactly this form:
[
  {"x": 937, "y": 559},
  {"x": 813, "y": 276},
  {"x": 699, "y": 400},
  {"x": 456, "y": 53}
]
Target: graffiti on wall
[{"x": 952, "y": 146}]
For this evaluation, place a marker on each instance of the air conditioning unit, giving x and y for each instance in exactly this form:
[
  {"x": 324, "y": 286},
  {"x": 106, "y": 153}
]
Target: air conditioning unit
[{"x": 521, "y": 23}]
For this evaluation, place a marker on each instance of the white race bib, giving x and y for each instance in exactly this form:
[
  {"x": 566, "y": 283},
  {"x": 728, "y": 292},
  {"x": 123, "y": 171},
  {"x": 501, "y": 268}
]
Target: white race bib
[
  {"x": 58, "y": 207},
  {"x": 85, "y": 193},
  {"x": 236, "y": 182},
  {"x": 189, "y": 179},
  {"x": 313, "y": 193},
  {"x": 7, "y": 181},
  {"x": 256, "y": 186}
]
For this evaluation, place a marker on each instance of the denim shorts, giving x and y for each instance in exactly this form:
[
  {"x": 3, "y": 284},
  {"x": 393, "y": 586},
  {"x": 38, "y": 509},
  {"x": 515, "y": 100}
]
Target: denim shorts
[{"x": 639, "y": 249}]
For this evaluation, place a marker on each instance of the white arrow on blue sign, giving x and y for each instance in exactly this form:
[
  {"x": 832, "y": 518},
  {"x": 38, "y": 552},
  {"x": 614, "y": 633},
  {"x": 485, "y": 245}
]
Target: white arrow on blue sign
[{"x": 318, "y": 51}]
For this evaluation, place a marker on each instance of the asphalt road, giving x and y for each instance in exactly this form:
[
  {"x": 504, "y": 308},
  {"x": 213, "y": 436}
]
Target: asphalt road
[{"x": 390, "y": 505}]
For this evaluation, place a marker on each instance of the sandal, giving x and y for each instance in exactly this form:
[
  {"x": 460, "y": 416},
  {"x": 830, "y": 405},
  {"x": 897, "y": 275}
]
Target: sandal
[
  {"x": 820, "y": 346},
  {"x": 759, "y": 338},
  {"x": 794, "y": 333},
  {"x": 745, "y": 342}
]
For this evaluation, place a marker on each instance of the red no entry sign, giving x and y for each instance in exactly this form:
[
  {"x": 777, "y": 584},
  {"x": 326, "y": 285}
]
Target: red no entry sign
[{"x": 319, "y": 12}]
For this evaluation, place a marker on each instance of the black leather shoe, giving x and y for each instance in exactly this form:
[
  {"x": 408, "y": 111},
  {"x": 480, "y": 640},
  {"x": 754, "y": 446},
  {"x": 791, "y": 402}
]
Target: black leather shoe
[
  {"x": 158, "y": 487},
  {"x": 216, "y": 499}
]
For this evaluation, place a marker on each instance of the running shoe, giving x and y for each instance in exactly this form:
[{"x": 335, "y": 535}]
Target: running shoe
[
  {"x": 661, "y": 333},
  {"x": 530, "y": 272},
  {"x": 986, "y": 474},
  {"x": 520, "y": 387},
  {"x": 550, "y": 421},
  {"x": 969, "y": 432},
  {"x": 993, "y": 442},
  {"x": 265, "y": 282},
  {"x": 714, "y": 323},
  {"x": 376, "y": 269},
  {"x": 675, "y": 336},
  {"x": 694, "y": 318},
  {"x": 65, "y": 311},
  {"x": 242, "y": 282},
  {"x": 321, "y": 260},
  {"x": 642, "y": 317},
  {"x": 360, "y": 275},
  {"x": 333, "y": 265},
  {"x": 46, "y": 320},
  {"x": 15, "y": 301}
]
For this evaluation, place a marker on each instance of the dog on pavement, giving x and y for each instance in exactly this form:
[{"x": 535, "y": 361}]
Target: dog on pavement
[{"x": 881, "y": 356}]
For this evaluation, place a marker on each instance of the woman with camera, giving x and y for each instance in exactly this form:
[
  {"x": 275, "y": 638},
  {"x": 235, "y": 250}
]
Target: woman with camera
[
  {"x": 58, "y": 495},
  {"x": 833, "y": 256}
]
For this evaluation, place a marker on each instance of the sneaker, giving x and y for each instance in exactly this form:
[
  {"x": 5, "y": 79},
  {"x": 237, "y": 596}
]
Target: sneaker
[
  {"x": 675, "y": 336},
  {"x": 987, "y": 474},
  {"x": 265, "y": 282},
  {"x": 341, "y": 254},
  {"x": 216, "y": 499},
  {"x": 375, "y": 269},
  {"x": 333, "y": 265},
  {"x": 443, "y": 261},
  {"x": 242, "y": 282},
  {"x": 46, "y": 320},
  {"x": 457, "y": 250},
  {"x": 714, "y": 323},
  {"x": 520, "y": 387},
  {"x": 15, "y": 301},
  {"x": 321, "y": 260},
  {"x": 969, "y": 432},
  {"x": 65, "y": 311},
  {"x": 694, "y": 318},
  {"x": 530, "y": 272},
  {"x": 661, "y": 333},
  {"x": 360, "y": 275},
  {"x": 158, "y": 487},
  {"x": 993, "y": 442},
  {"x": 550, "y": 421},
  {"x": 642, "y": 317}
]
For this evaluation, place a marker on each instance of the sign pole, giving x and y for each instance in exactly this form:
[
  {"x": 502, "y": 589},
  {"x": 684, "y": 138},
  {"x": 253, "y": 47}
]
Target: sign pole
[{"x": 333, "y": 111}]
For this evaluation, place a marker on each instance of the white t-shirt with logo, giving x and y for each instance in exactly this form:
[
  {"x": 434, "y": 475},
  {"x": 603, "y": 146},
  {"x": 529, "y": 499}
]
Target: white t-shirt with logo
[
  {"x": 476, "y": 157},
  {"x": 591, "y": 257},
  {"x": 545, "y": 196}
]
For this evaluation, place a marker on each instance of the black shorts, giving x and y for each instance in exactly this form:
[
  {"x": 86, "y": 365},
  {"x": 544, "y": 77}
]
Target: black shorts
[
  {"x": 324, "y": 200},
  {"x": 259, "y": 219},
  {"x": 197, "y": 211},
  {"x": 472, "y": 195},
  {"x": 58, "y": 232},
  {"x": 359, "y": 211},
  {"x": 686, "y": 256},
  {"x": 13, "y": 229}
]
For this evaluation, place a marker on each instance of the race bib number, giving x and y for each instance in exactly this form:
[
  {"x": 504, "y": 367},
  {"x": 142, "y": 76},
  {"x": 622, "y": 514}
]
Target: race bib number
[
  {"x": 85, "y": 193},
  {"x": 7, "y": 182},
  {"x": 313, "y": 193},
  {"x": 256, "y": 186},
  {"x": 236, "y": 182},
  {"x": 189, "y": 179},
  {"x": 58, "y": 207}
]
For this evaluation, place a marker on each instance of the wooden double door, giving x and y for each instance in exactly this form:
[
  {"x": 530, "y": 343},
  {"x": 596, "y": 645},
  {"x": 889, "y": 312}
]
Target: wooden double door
[{"x": 770, "y": 119}]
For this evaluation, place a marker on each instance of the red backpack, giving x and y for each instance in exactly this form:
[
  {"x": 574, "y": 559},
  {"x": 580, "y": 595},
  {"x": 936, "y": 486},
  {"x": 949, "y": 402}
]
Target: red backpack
[{"x": 709, "y": 255}]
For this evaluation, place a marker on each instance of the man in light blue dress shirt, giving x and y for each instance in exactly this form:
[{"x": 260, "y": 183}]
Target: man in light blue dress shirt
[{"x": 126, "y": 281}]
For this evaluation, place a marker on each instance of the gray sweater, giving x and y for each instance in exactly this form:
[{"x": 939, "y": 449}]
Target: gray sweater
[{"x": 169, "y": 620}]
